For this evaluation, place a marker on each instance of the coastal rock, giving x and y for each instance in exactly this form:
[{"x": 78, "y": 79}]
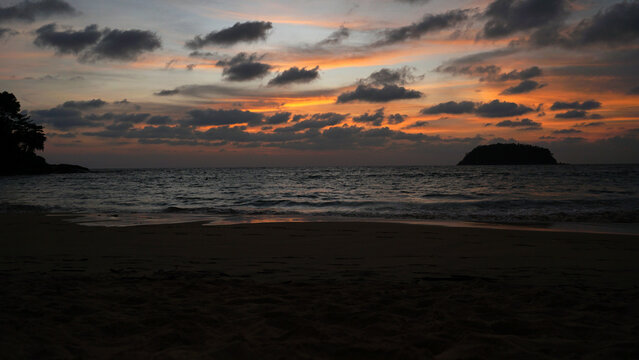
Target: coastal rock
[{"x": 508, "y": 154}]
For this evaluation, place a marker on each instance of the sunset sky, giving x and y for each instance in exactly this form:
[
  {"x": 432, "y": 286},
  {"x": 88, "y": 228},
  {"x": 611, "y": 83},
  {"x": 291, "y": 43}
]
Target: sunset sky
[{"x": 132, "y": 83}]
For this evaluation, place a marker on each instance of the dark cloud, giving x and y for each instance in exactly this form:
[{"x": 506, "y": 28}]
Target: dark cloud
[
  {"x": 525, "y": 86},
  {"x": 295, "y": 75},
  {"x": 240, "y": 32},
  {"x": 6, "y": 32},
  {"x": 634, "y": 91},
  {"x": 483, "y": 56},
  {"x": 374, "y": 119},
  {"x": 567, "y": 131},
  {"x": 29, "y": 11},
  {"x": 396, "y": 119},
  {"x": 93, "y": 44},
  {"x": 524, "y": 124},
  {"x": 497, "y": 108},
  {"x": 212, "y": 90},
  {"x": 618, "y": 23},
  {"x": 67, "y": 41},
  {"x": 429, "y": 23},
  {"x": 388, "y": 93},
  {"x": 125, "y": 102},
  {"x": 134, "y": 118},
  {"x": 159, "y": 120},
  {"x": 506, "y": 17},
  {"x": 210, "y": 117},
  {"x": 572, "y": 114},
  {"x": 485, "y": 71},
  {"x": 279, "y": 118},
  {"x": 491, "y": 73},
  {"x": 336, "y": 37},
  {"x": 401, "y": 76},
  {"x": 451, "y": 107},
  {"x": 317, "y": 121},
  {"x": 62, "y": 118},
  {"x": 123, "y": 45},
  {"x": 167, "y": 92},
  {"x": 84, "y": 105},
  {"x": 243, "y": 67},
  {"x": 590, "y": 124},
  {"x": 417, "y": 125},
  {"x": 586, "y": 105}
]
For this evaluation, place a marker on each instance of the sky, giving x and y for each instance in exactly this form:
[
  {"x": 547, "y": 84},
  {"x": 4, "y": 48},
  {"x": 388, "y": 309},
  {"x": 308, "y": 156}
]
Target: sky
[{"x": 201, "y": 83}]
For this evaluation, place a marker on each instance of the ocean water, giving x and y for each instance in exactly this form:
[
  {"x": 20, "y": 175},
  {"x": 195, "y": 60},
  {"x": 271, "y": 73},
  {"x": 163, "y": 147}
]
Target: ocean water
[{"x": 593, "y": 194}]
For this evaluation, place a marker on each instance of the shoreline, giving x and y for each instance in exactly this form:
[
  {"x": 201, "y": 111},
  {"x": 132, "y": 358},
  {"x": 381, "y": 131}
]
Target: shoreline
[{"x": 141, "y": 219}]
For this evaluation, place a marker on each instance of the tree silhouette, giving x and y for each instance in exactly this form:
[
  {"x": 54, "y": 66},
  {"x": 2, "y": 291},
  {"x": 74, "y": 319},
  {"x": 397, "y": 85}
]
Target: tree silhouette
[{"x": 19, "y": 138}]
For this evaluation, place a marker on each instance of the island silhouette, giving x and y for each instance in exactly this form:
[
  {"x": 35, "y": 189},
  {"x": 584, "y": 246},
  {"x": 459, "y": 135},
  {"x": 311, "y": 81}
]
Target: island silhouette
[
  {"x": 19, "y": 139},
  {"x": 508, "y": 154}
]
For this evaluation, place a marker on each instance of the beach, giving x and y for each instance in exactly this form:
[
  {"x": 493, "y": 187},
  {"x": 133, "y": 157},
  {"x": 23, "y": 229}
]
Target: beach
[{"x": 314, "y": 290}]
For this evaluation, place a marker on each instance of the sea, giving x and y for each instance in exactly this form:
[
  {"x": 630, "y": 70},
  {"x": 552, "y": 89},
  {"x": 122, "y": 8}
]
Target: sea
[{"x": 574, "y": 197}]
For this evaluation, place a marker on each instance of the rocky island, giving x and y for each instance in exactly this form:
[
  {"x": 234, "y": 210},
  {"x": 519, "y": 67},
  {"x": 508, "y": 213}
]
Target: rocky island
[{"x": 508, "y": 154}]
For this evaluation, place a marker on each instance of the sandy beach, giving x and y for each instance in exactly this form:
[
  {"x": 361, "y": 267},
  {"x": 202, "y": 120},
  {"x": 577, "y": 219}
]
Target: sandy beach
[{"x": 314, "y": 290}]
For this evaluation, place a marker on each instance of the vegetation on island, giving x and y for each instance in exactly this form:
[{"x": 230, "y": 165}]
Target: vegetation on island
[
  {"x": 509, "y": 154},
  {"x": 20, "y": 138}
]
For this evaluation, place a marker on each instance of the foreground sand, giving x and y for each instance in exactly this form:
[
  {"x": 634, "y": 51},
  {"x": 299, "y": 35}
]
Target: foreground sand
[{"x": 314, "y": 290}]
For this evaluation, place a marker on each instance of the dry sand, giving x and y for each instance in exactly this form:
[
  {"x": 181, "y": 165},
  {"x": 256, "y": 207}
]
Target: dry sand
[{"x": 348, "y": 290}]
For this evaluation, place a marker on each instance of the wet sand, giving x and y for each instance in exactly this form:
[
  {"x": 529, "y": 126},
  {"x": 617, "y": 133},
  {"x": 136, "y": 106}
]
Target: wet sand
[{"x": 314, "y": 290}]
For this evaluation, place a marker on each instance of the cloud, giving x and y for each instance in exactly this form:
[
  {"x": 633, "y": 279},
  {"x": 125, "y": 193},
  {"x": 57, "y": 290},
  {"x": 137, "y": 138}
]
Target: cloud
[
  {"x": 525, "y": 86},
  {"x": 374, "y": 119},
  {"x": 497, "y": 108},
  {"x": 6, "y": 33},
  {"x": 428, "y": 24},
  {"x": 29, "y": 11},
  {"x": 526, "y": 124},
  {"x": 159, "y": 120},
  {"x": 491, "y": 73},
  {"x": 336, "y": 37},
  {"x": 317, "y": 121},
  {"x": 417, "y": 125},
  {"x": 388, "y": 93},
  {"x": 84, "y": 105},
  {"x": 209, "y": 117},
  {"x": 243, "y": 67},
  {"x": 634, "y": 91},
  {"x": 385, "y": 76},
  {"x": 394, "y": 119},
  {"x": 590, "y": 124},
  {"x": 614, "y": 25},
  {"x": 62, "y": 118},
  {"x": 278, "y": 118},
  {"x": 92, "y": 44},
  {"x": 567, "y": 131},
  {"x": 167, "y": 92},
  {"x": 480, "y": 57},
  {"x": 586, "y": 105},
  {"x": 240, "y": 32},
  {"x": 295, "y": 75},
  {"x": 506, "y": 17},
  {"x": 572, "y": 114},
  {"x": 67, "y": 41},
  {"x": 451, "y": 107},
  {"x": 123, "y": 45}
]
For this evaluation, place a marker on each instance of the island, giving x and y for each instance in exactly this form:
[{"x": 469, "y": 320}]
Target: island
[
  {"x": 19, "y": 139},
  {"x": 509, "y": 154}
]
